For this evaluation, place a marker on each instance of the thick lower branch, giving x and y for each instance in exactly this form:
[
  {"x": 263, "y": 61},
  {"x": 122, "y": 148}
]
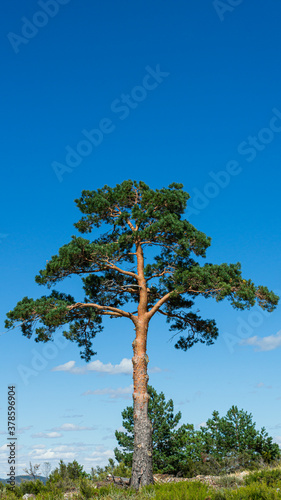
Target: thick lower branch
[{"x": 103, "y": 309}]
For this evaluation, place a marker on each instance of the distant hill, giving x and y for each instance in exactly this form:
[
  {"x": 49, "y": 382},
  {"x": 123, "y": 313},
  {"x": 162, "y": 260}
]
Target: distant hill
[{"x": 20, "y": 479}]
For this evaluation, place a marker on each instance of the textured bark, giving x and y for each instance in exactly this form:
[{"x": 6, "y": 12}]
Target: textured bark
[{"x": 142, "y": 473}]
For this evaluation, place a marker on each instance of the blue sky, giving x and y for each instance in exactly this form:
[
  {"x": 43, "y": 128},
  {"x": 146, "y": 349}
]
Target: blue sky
[{"x": 186, "y": 92}]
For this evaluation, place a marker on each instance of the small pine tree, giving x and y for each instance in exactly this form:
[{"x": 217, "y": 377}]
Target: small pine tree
[
  {"x": 167, "y": 440},
  {"x": 65, "y": 475},
  {"x": 235, "y": 442}
]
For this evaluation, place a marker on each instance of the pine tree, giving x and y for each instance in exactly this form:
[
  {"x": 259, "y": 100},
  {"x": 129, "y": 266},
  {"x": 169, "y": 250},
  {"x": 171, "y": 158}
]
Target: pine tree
[
  {"x": 114, "y": 273},
  {"x": 234, "y": 440},
  {"x": 166, "y": 438}
]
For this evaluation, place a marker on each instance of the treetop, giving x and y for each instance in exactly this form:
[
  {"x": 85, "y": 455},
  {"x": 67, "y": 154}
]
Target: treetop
[{"x": 144, "y": 253}]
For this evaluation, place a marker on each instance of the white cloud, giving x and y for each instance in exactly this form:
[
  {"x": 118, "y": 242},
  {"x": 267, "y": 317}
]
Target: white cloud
[
  {"x": 72, "y": 427},
  {"x": 67, "y": 367},
  {"x": 60, "y": 452},
  {"x": 39, "y": 454},
  {"x": 121, "y": 392},
  {"x": 264, "y": 343},
  {"x": 100, "y": 457},
  {"x": 125, "y": 367},
  {"x": 203, "y": 424},
  {"x": 66, "y": 448},
  {"x": 47, "y": 435}
]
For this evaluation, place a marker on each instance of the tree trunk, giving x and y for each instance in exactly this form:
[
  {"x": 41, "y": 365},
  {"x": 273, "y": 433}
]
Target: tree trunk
[{"x": 142, "y": 473}]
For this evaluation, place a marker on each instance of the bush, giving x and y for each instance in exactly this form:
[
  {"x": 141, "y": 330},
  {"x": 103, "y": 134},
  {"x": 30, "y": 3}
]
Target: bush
[
  {"x": 179, "y": 491},
  {"x": 270, "y": 477},
  {"x": 12, "y": 492},
  {"x": 230, "y": 481},
  {"x": 54, "y": 495},
  {"x": 59, "y": 482},
  {"x": 86, "y": 488},
  {"x": 251, "y": 492},
  {"x": 66, "y": 476},
  {"x": 34, "y": 487}
]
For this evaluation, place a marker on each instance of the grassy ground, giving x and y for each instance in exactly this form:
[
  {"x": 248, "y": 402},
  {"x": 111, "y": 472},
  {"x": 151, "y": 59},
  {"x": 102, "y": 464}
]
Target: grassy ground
[{"x": 261, "y": 485}]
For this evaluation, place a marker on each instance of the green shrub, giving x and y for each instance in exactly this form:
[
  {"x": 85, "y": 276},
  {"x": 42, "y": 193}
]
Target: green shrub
[
  {"x": 270, "y": 477},
  {"x": 14, "y": 492},
  {"x": 34, "y": 487},
  {"x": 10, "y": 493},
  {"x": 122, "y": 470},
  {"x": 66, "y": 476},
  {"x": 86, "y": 488},
  {"x": 251, "y": 492},
  {"x": 230, "y": 481},
  {"x": 178, "y": 491},
  {"x": 54, "y": 495}
]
